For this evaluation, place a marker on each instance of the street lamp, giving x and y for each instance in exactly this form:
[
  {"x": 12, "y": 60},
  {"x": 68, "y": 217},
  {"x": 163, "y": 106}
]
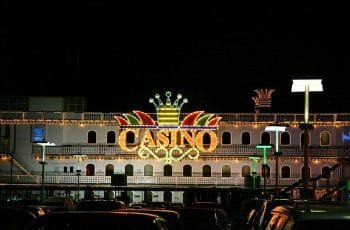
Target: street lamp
[
  {"x": 276, "y": 128},
  {"x": 254, "y": 161},
  {"x": 264, "y": 161},
  {"x": 79, "y": 158},
  {"x": 42, "y": 162},
  {"x": 306, "y": 86}
]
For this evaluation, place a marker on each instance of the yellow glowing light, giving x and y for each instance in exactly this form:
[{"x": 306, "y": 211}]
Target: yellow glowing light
[{"x": 170, "y": 145}]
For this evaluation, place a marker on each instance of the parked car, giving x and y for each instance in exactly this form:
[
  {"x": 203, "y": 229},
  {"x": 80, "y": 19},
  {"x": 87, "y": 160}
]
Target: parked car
[
  {"x": 86, "y": 220},
  {"x": 204, "y": 218},
  {"x": 309, "y": 217},
  {"x": 15, "y": 218},
  {"x": 99, "y": 205},
  {"x": 65, "y": 203},
  {"x": 172, "y": 218}
]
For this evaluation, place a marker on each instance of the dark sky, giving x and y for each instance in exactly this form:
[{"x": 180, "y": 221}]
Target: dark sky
[{"x": 215, "y": 55}]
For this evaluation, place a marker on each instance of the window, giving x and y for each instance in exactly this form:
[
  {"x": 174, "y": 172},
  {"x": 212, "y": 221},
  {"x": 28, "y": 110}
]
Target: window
[
  {"x": 265, "y": 138},
  {"x": 65, "y": 169},
  {"x": 130, "y": 138},
  {"x": 302, "y": 172},
  {"x": 206, "y": 139},
  {"x": 168, "y": 170},
  {"x": 91, "y": 137},
  {"x": 302, "y": 139},
  {"x": 167, "y": 196},
  {"x": 90, "y": 170},
  {"x": 129, "y": 170},
  {"x": 265, "y": 171},
  {"x": 226, "y": 138},
  {"x": 226, "y": 171},
  {"x": 109, "y": 170},
  {"x": 326, "y": 172},
  {"x": 187, "y": 170},
  {"x": 245, "y": 170},
  {"x": 285, "y": 172},
  {"x": 285, "y": 138},
  {"x": 71, "y": 169},
  {"x": 246, "y": 138},
  {"x": 325, "y": 138},
  {"x": 74, "y": 104},
  {"x": 148, "y": 170},
  {"x": 110, "y": 137},
  {"x": 206, "y": 171}
]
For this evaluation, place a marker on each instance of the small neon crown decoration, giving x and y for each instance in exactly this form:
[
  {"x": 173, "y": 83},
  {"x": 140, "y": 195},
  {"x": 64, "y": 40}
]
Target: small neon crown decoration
[{"x": 168, "y": 114}]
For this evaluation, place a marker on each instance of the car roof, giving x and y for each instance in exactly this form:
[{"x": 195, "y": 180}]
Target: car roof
[{"x": 318, "y": 211}]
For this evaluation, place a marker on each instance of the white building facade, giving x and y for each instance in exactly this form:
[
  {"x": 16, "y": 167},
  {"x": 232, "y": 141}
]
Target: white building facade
[{"x": 88, "y": 153}]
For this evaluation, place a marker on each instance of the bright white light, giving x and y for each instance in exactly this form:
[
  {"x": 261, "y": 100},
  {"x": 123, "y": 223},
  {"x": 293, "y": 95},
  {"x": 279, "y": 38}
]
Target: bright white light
[
  {"x": 47, "y": 144},
  {"x": 275, "y": 128},
  {"x": 314, "y": 85}
]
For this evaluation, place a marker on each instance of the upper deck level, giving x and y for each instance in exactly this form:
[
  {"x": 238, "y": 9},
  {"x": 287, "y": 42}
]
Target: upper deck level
[{"x": 96, "y": 118}]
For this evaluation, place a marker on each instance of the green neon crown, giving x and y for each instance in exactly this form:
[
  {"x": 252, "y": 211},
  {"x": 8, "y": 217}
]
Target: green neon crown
[{"x": 168, "y": 113}]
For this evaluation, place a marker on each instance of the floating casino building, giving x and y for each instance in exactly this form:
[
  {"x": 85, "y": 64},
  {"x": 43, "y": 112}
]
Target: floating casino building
[{"x": 51, "y": 147}]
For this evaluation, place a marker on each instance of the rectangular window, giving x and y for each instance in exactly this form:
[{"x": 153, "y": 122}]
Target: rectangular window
[
  {"x": 65, "y": 169},
  {"x": 71, "y": 169}
]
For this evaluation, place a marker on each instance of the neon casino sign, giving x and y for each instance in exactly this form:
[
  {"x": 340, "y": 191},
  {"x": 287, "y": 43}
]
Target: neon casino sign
[{"x": 168, "y": 139}]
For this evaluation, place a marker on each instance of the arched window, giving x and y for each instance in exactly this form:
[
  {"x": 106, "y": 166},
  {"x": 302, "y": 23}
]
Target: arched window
[
  {"x": 302, "y": 172},
  {"x": 109, "y": 170},
  {"x": 90, "y": 170},
  {"x": 187, "y": 170},
  {"x": 285, "y": 138},
  {"x": 206, "y": 171},
  {"x": 110, "y": 137},
  {"x": 326, "y": 172},
  {"x": 325, "y": 138},
  {"x": 129, "y": 170},
  {"x": 302, "y": 139},
  {"x": 148, "y": 170},
  {"x": 206, "y": 139},
  {"x": 245, "y": 138},
  {"x": 265, "y": 171},
  {"x": 168, "y": 170},
  {"x": 265, "y": 138},
  {"x": 130, "y": 138},
  {"x": 245, "y": 170},
  {"x": 226, "y": 171},
  {"x": 285, "y": 172},
  {"x": 226, "y": 138},
  {"x": 91, "y": 137}
]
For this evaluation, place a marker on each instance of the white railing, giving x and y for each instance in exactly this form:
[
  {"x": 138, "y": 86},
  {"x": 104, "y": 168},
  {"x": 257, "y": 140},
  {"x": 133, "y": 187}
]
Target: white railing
[
  {"x": 157, "y": 180},
  {"x": 231, "y": 150},
  {"x": 226, "y": 117}
]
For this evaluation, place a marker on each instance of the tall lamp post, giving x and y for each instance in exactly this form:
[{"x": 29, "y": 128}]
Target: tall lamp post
[
  {"x": 306, "y": 86},
  {"x": 79, "y": 158},
  {"x": 254, "y": 161},
  {"x": 264, "y": 161},
  {"x": 11, "y": 175},
  {"x": 42, "y": 162},
  {"x": 276, "y": 128}
]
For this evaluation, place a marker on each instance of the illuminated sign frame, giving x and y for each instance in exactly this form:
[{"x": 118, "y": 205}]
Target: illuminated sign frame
[{"x": 168, "y": 139}]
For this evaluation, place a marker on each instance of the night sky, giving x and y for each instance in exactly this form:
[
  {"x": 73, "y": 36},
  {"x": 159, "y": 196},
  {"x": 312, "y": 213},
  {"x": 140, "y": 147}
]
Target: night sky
[{"x": 121, "y": 55}]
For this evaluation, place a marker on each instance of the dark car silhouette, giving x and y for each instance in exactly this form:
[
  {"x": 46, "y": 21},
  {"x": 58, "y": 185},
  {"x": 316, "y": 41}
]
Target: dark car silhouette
[{"x": 96, "y": 220}]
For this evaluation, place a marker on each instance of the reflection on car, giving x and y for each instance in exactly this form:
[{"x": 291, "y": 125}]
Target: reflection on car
[{"x": 310, "y": 217}]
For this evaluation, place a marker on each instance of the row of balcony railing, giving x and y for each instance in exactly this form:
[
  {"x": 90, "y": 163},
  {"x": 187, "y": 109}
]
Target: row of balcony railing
[
  {"x": 230, "y": 150},
  {"x": 158, "y": 180},
  {"x": 235, "y": 117}
]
